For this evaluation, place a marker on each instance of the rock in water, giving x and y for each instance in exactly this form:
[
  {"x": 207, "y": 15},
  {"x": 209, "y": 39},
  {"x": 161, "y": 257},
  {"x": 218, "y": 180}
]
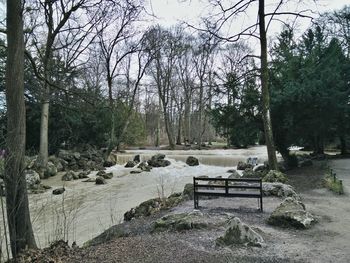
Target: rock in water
[
  {"x": 158, "y": 161},
  {"x": 108, "y": 163},
  {"x": 137, "y": 158},
  {"x": 68, "y": 176},
  {"x": 107, "y": 175},
  {"x": 144, "y": 167},
  {"x": 100, "y": 180},
  {"x": 291, "y": 213},
  {"x": 130, "y": 164},
  {"x": 240, "y": 233},
  {"x": 192, "y": 161},
  {"x": 58, "y": 191}
]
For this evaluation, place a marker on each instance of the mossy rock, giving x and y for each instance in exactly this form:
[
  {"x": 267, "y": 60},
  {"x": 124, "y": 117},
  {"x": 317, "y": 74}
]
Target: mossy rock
[
  {"x": 188, "y": 191},
  {"x": 291, "y": 213},
  {"x": 181, "y": 222},
  {"x": 275, "y": 176},
  {"x": 239, "y": 233}
]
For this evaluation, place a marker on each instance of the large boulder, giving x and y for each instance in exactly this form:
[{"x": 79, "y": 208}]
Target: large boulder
[
  {"x": 65, "y": 155},
  {"x": 291, "y": 213},
  {"x": 146, "y": 208},
  {"x": 192, "y": 161},
  {"x": 158, "y": 161},
  {"x": 280, "y": 190},
  {"x": 182, "y": 221},
  {"x": 243, "y": 166},
  {"x": 240, "y": 233},
  {"x": 274, "y": 176},
  {"x": 32, "y": 178}
]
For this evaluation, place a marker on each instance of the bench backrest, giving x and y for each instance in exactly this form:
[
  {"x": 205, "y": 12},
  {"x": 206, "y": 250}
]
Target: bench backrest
[{"x": 227, "y": 183}]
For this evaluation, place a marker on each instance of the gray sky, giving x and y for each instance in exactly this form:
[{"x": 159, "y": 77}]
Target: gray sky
[{"x": 171, "y": 12}]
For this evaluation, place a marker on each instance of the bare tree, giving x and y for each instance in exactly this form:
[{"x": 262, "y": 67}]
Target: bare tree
[
  {"x": 164, "y": 55},
  {"x": 115, "y": 35},
  {"x": 225, "y": 13},
  {"x": 65, "y": 37},
  {"x": 18, "y": 216}
]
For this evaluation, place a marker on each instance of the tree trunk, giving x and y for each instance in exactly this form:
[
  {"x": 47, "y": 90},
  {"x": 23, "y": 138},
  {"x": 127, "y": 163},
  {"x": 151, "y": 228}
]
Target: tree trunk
[
  {"x": 112, "y": 142},
  {"x": 168, "y": 129},
  {"x": 343, "y": 146},
  {"x": 20, "y": 227},
  {"x": 44, "y": 134},
  {"x": 271, "y": 152},
  {"x": 200, "y": 117},
  {"x": 179, "y": 129},
  {"x": 187, "y": 120}
]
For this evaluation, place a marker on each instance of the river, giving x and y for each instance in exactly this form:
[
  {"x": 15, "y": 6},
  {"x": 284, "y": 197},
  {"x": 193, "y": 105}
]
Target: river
[{"x": 85, "y": 209}]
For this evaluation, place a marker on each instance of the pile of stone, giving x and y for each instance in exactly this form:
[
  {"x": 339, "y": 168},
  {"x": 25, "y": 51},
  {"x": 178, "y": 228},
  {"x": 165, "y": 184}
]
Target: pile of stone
[{"x": 157, "y": 160}]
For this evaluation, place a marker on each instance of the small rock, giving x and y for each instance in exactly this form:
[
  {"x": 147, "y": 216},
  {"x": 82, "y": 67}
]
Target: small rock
[
  {"x": 240, "y": 233},
  {"x": 135, "y": 172},
  {"x": 192, "y": 161},
  {"x": 100, "y": 180},
  {"x": 107, "y": 175},
  {"x": 144, "y": 167},
  {"x": 108, "y": 163},
  {"x": 68, "y": 176},
  {"x": 130, "y": 164},
  {"x": 58, "y": 191}
]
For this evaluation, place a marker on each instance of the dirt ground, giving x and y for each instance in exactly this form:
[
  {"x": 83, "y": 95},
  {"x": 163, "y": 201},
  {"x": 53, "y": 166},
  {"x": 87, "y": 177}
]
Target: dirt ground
[{"x": 327, "y": 241}]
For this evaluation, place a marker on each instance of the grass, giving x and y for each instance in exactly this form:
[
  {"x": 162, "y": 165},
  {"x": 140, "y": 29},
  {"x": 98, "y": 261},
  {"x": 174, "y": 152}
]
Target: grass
[{"x": 333, "y": 183}]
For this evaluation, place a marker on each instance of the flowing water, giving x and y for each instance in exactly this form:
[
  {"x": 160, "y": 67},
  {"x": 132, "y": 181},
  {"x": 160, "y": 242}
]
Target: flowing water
[{"x": 85, "y": 209}]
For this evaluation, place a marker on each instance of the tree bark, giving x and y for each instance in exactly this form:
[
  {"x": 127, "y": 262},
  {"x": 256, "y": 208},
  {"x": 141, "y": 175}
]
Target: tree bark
[
  {"x": 271, "y": 152},
  {"x": 343, "y": 146},
  {"x": 44, "y": 135},
  {"x": 20, "y": 227}
]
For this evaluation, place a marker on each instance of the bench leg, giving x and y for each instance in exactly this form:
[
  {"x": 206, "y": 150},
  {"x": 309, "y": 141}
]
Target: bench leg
[
  {"x": 261, "y": 205},
  {"x": 195, "y": 200}
]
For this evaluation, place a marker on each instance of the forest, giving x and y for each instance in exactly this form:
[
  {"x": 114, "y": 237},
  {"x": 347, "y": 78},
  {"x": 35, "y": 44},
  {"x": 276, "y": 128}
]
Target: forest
[
  {"x": 103, "y": 81},
  {"x": 99, "y": 73}
]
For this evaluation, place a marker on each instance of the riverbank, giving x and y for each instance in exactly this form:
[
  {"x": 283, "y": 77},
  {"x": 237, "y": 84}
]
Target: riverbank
[{"x": 326, "y": 241}]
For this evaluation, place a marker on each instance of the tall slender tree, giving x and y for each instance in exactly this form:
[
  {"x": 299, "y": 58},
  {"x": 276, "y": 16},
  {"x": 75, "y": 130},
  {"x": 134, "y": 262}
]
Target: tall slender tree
[{"x": 20, "y": 227}]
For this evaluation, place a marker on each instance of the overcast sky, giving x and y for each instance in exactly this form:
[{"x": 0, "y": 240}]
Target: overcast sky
[{"x": 170, "y": 12}]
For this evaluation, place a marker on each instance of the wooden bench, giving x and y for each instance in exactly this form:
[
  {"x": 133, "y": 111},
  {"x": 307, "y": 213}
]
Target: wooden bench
[{"x": 224, "y": 187}]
